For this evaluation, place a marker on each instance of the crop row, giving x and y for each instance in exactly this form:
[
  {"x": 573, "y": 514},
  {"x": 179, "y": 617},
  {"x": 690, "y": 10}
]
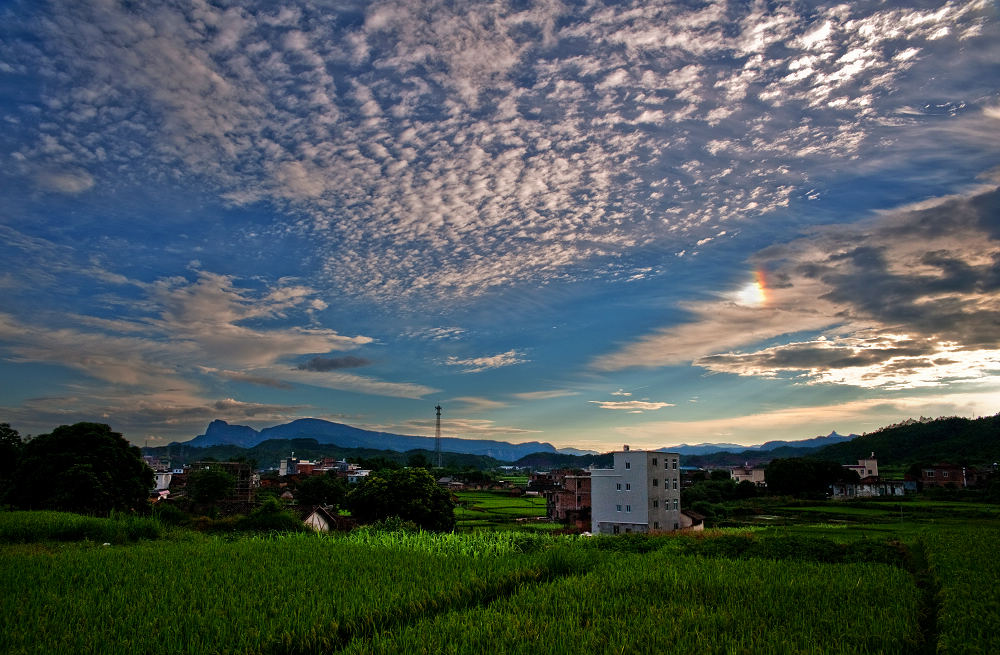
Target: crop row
[
  {"x": 967, "y": 570},
  {"x": 663, "y": 602},
  {"x": 291, "y": 594}
]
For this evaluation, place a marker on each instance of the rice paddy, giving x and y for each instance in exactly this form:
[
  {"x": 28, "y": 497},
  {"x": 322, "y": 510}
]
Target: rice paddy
[{"x": 821, "y": 588}]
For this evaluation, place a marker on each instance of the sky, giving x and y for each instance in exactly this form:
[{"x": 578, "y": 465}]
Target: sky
[{"x": 583, "y": 223}]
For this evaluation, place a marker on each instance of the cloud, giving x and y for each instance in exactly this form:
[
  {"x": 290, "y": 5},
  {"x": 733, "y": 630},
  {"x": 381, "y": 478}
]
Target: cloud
[
  {"x": 478, "y": 404},
  {"x": 479, "y": 364},
  {"x": 908, "y": 298},
  {"x": 182, "y": 327},
  {"x": 157, "y": 417},
  {"x": 854, "y": 416},
  {"x": 463, "y": 428},
  {"x": 335, "y": 379},
  {"x": 631, "y": 405},
  {"x": 323, "y": 364},
  {"x": 545, "y": 395},
  {"x": 240, "y": 376},
  {"x": 475, "y": 146},
  {"x": 74, "y": 181}
]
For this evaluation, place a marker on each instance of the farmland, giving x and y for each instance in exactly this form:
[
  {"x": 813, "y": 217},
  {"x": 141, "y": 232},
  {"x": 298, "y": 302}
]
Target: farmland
[
  {"x": 858, "y": 583},
  {"x": 479, "y": 510}
]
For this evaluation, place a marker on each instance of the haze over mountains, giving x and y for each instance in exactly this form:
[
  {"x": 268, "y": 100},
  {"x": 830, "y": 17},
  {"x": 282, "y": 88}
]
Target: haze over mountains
[
  {"x": 327, "y": 432},
  {"x": 707, "y": 448},
  {"x": 220, "y": 432}
]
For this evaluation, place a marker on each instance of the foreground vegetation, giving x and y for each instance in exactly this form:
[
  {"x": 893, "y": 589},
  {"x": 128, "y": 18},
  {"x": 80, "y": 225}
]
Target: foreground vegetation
[{"x": 920, "y": 583}]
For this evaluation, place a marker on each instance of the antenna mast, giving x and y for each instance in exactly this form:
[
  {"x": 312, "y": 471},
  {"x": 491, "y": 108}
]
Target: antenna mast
[{"x": 437, "y": 438}]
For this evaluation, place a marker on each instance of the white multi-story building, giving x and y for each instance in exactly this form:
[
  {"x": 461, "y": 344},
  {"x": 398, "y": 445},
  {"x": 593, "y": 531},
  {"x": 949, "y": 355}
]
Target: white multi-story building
[{"x": 642, "y": 493}]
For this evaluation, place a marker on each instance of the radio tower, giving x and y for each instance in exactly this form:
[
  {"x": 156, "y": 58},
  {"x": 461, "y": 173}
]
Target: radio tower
[{"x": 437, "y": 438}]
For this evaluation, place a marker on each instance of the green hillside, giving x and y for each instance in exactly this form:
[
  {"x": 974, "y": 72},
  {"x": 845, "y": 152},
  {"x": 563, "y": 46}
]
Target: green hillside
[{"x": 953, "y": 440}]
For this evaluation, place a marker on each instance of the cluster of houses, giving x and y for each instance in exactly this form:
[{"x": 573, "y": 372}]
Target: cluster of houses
[{"x": 353, "y": 473}]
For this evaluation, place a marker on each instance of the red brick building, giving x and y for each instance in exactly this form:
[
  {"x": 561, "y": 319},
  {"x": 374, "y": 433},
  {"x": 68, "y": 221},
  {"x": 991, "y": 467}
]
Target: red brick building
[
  {"x": 948, "y": 475},
  {"x": 569, "y": 500}
]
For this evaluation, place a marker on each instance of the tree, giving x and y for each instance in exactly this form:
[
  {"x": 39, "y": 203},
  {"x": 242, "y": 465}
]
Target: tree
[
  {"x": 418, "y": 460},
  {"x": 209, "y": 485},
  {"x": 410, "y": 494},
  {"x": 11, "y": 447},
  {"x": 83, "y": 468},
  {"x": 321, "y": 490},
  {"x": 803, "y": 476}
]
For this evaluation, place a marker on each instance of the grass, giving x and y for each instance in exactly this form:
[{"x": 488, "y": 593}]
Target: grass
[
  {"x": 851, "y": 582},
  {"x": 663, "y": 602},
  {"x": 298, "y": 593},
  {"x": 119, "y": 528}
]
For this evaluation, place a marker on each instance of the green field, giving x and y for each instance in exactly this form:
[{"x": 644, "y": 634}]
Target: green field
[
  {"x": 852, "y": 582},
  {"x": 478, "y": 510}
]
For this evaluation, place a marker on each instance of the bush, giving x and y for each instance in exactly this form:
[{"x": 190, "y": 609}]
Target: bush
[{"x": 271, "y": 517}]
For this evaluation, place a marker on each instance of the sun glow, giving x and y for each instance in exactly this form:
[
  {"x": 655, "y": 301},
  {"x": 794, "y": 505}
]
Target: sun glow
[{"x": 753, "y": 294}]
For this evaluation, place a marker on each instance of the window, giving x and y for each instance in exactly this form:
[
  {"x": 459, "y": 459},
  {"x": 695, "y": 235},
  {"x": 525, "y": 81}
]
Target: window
[
  {"x": 628, "y": 486},
  {"x": 656, "y": 525},
  {"x": 656, "y": 503},
  {"x": 673, "y": 464},
  {"x": 928, "y": 474},
  {"x": 675, "y": 483},
  {"x": 944, "y": 474},
  {"x": 628, "y": 508},
  {"x": 675, "y": 503},
  {"x": 654, "y": 461},
  {"x": 578, "y": 500},
  {"x": 628, "y": 465},
  {"x": 618, "y": 508},
  {"x": 618, "y": 486},
  {"x": 666, "y": 465},
  {"x": 656, "y": 483}
]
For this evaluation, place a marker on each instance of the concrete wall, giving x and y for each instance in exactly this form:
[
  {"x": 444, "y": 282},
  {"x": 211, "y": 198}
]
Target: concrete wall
[{"x": 641, "y": 493}]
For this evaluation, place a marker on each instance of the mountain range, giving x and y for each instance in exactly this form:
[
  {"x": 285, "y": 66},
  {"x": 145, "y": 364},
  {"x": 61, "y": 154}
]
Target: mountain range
[
  {"x": 327, "y": 432},
  {"x": 220, "y": 432},
  {"x": 708, "y": 448}
]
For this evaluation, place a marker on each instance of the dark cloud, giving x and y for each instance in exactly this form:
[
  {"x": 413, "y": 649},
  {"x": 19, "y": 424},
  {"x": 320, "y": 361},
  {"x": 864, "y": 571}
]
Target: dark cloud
[
  {"x": 933, "y": 271},
  {"x": 813, "y": 355},
  {"x": 322, "y": 364}
]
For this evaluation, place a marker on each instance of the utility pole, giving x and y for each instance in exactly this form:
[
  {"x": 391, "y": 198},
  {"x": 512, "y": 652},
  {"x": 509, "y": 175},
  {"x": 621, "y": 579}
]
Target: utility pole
[{"x": 437, "y": 438}]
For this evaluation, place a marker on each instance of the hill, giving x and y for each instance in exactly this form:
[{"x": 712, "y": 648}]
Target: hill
[
  {"x": 711, "y": 448},
  {"x": 954, "y": 440}
]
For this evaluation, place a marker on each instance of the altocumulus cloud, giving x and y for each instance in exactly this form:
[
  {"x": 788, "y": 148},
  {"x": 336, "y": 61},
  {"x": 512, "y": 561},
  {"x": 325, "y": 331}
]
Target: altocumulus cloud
[
  {"x": 479, "y": 364},
  {"x": 464, "y": 146}
]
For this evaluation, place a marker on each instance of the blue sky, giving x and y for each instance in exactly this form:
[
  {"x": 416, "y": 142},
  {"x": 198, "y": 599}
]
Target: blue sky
[{"x": 583, "y": 223}]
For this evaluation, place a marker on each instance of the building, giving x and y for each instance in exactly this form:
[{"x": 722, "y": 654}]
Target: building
[
  {"x": 865, "y": 468},
  {"x": 868, "y": 487},
  {"x": 870, "y": 484},
  {"x": 641, "y": 493},
  {"x": 569, "y": 500},
  {"x": 948, "y": 475},
  {"x": 246, "y": 480},
  {"x": 326, "y": 519},
  {"x": 747, "y": 473}
]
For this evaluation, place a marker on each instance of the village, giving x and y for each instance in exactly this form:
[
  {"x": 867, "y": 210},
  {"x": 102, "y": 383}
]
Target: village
[{"x": 640, "y": 493}]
